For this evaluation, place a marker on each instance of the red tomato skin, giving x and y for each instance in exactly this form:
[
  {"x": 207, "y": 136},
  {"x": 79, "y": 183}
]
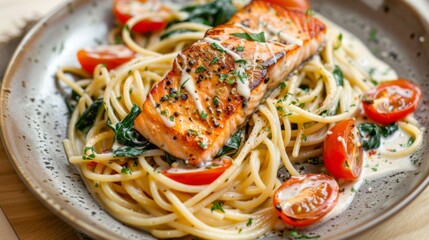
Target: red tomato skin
[
  {"x": 203, "y": 177},
  {"x": 89, "y": 58},
  {"x": 300, "y": 5},
  {"x": 336, "y": 157},
  {"x": 330, "y": 204},
  {"x": 144, "y": 26},
  {"x": 394, "y": 116}
]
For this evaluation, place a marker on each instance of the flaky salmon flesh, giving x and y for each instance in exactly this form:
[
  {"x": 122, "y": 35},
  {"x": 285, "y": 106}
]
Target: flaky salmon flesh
[{"x": 218, "y": 82}]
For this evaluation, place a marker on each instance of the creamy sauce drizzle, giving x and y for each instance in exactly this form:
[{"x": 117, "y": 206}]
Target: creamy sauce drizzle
[
  {"x": 242, "y": 82},
  {"x": 188, "y": 82},
  {"x": 279, "y": 34},
  {"x": 166, "y": 121}
]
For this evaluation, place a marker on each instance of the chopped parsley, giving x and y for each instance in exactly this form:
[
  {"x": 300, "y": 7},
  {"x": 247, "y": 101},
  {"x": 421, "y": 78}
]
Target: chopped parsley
[
  {"x": 126, "y": 170},
  {"x": 410, "y": 141},
  {"x": 214, "y": 60},
  {"x": 216, "y": 101},
  {"x": 241, "y": 61},
  {"x": 217, "y": 206},
  {"x": 257, "y": 37},
  {"x": 339, "y": 41},
  {"x": 183, "y": 84},
  {"x": 297, "y": 235},
  {"x": 309, "y": 12},
  {"x": 200, "y": 69},
  {"x": 372, "y": 37},
  {"x": 217, "y": 47},
  {"x": 240, "y": 48},
  {"x": 242, "y": 76},
  {"x": 249, "y": 222},
  {"x": 91, "y": 154},
  {"x": 282, "y": 85},
  {"x": 303, "y": 138},
  {"x": 202, "y": 145},
  {"x": 222, "y": 77},
  {"x": 339, "y": 76},
  {"x": 203, "y": 115},
  {"x": 193, "y": 132}
]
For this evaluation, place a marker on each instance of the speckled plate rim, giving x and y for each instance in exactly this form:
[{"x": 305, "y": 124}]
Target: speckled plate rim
[
  {"x": 35, "y": 188},
  {"x": 95, "y": 232}
]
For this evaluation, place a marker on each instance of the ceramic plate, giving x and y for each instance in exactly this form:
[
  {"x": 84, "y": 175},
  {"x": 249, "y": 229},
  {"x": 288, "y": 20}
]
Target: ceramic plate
[{"x": 34, "y": 114}]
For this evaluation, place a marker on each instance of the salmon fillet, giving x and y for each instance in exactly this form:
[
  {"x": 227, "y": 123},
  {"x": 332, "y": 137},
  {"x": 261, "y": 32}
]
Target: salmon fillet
[{"x": 218, "y": 82}]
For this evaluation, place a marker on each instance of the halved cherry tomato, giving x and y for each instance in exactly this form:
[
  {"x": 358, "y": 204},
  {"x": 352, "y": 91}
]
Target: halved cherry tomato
[
  {"x": 199, "y": 176},
  {"x": 391, "y": 101},
  {"x": 302, "y": 201},
  {"x": 301, "y": 5},
  {"x": 110, "y": 55},
  {"x": 342, "y": 150},
  {"x": 126, "y": 9}
]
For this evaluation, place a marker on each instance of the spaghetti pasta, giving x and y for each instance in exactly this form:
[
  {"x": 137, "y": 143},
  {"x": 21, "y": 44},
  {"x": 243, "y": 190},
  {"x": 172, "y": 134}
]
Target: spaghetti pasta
[{"x": 288, "y": 128}]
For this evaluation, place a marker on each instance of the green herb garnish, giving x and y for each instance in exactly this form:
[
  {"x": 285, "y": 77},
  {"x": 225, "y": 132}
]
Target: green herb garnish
[
  {"x": 217, "y": 206},
  {"x": 339, "y": 76},
  {"x": 200, "y": 69},
  {"x": 214, "y": 60},
  {"x": 126, "y": 170},
  {"x": 257, "y": 37}
]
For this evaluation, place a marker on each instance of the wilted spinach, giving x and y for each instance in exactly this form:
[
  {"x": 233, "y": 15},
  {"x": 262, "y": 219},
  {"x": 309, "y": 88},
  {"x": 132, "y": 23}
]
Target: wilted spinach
[
  {"x": 71, "y": 101},
  {"x": 127, "y": 141},
  {"x": 87, "y": 119},
  {"x": 212, "y": 14},
  {"x": 233, "y": 144},
  {"x": 371, "y": 134}
]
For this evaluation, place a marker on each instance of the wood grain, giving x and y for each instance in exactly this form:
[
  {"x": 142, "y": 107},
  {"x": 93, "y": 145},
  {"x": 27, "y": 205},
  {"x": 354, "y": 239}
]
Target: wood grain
[{"x": 29, "y": 218}]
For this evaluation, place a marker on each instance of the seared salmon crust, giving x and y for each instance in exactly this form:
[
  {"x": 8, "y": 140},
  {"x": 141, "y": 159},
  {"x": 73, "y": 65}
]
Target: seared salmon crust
[{"x": 218, "y": 82}]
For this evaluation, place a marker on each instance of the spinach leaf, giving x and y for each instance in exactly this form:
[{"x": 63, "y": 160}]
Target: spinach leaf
[
  {"x": 339, "y": 76},
  {"x": 87, "y": 119},
  {"x": 211, "y": 14},
  {"x": 131, "y": 143},
  {"x": 233, "y": 144},
  {"x": 388, "y": 129},
  {"x": 71, "y": 102},
  {"x": 257, "y": 37},
  {"x": 171, "y": 159},
  {"x": 371, "y": 134}
]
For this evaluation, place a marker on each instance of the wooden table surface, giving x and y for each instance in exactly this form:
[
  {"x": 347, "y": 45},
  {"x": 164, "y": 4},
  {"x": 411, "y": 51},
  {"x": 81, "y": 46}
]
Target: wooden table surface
[{"x": 30, "y": 219}]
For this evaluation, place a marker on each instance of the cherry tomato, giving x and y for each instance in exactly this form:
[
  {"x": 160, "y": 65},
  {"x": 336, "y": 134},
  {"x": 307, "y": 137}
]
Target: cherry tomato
[
  {"x": 199, "y": 176},
  {"x": 126, "y": 9},
  {"x": 391, "y": 101},
  {"x": 110, "y": 55},
  {"x": 302, "y": 201},
  {"x": 301, "y": 5},
  {"x": 342, "y": 151}
]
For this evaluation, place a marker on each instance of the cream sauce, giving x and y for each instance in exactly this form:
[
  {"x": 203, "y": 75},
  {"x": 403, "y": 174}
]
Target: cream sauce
[
  {"x": 166, "y": 121},
  {"x": 375, "y": 166},
  {"x": 188, "y": 82},
  {"x": 243, "y": 87},
  {"x": 280, "y": 35}
]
